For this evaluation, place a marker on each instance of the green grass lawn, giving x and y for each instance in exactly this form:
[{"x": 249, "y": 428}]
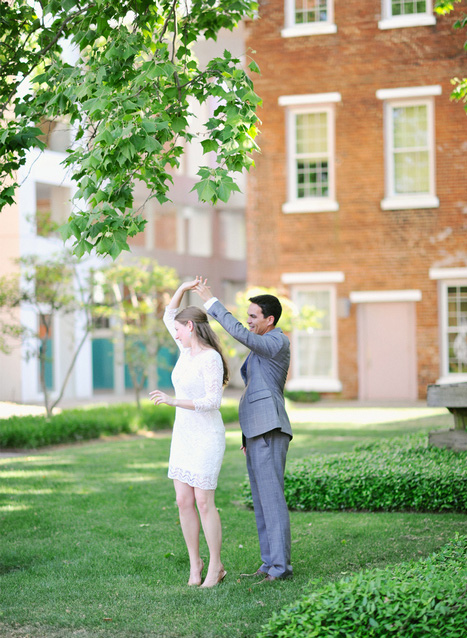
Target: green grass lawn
[{"x": 90, "y": 543}]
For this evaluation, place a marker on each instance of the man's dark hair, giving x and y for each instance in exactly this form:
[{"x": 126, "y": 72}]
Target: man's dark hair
[{"x": 270, "y": 306}]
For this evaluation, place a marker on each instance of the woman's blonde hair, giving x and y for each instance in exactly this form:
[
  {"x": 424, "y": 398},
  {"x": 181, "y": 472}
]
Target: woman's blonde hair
[{"x": 204, "y": 333}]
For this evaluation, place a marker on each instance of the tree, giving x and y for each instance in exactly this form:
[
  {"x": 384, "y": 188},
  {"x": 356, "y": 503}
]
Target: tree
[
  {"x": 51, "y": 287},
  {"x": 134, "y": 297},
  {"x": 126, "y": 99},
  {"x": 444, "y": 7}
]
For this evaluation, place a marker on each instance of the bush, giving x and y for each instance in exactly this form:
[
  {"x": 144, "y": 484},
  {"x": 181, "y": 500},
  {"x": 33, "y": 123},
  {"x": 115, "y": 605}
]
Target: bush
[
  {"x": 416, "y": 600},
  {"x": 302, "y": 396},
  {"x": 401, "y": 475},
  {"x": 29, "y": 432}
]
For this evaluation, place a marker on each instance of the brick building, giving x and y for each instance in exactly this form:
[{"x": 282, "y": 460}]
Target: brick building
[{"x": 358, "y": 203}]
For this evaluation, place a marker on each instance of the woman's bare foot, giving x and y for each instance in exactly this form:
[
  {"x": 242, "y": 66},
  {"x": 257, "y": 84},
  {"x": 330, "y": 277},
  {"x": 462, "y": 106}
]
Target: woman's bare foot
[
  {"x": 213, "y": 580},
  {"x": 195, "y": 576}
]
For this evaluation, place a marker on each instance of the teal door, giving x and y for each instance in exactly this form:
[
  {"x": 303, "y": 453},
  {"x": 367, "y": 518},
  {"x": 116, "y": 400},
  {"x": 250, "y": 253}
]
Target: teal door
[{"x": 102, "y": 364}]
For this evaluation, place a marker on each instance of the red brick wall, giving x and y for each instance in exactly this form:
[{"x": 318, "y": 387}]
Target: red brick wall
[{"x": 376, "y": 249}]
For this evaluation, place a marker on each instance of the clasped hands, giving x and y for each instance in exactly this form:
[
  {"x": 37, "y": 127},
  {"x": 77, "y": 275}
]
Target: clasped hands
[{"x": 199, "y": 285}]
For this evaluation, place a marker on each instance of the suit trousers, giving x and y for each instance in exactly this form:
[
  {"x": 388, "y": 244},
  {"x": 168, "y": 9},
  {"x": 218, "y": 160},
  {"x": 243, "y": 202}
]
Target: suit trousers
[{"x": 265, "y": 458}]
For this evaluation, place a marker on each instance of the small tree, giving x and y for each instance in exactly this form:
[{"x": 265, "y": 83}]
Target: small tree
[
  {"x": 134, "y": 298},
  {"x": 52, "y": 288}
]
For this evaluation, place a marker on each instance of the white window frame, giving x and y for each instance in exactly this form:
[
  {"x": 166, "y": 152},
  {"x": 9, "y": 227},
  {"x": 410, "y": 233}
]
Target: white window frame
[
  {"x": 315, "y": 281},
  {"x": 389, "y": 21},
  {"x": 292, "y": 30},
  {"x": 447, "y": 277},
  {"x": 394, "y": 98},
  {"x": 299, "y": 104}
]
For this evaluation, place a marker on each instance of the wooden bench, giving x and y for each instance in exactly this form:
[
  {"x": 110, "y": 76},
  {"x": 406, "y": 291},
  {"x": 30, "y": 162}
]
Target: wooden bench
[{"x": 452, "y": 396}]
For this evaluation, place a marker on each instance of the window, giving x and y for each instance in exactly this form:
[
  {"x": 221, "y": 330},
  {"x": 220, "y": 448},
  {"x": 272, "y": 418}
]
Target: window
[
  {"x": 314, "y": 361},
  {"x": 314, "y": 350},
  {"x": 194, "y": 232},
  {"x": 452, "y": 295},
  {"x": 406, "y": 13},
  {"x": 409, "y": 148},
  {"x": 310, "y": 153},
  {"x": 52, "y": 208},
  {"x": 456, "y": 328},
  {"x": 232, "y": 235},
  {"x": 308, "y": 17}
]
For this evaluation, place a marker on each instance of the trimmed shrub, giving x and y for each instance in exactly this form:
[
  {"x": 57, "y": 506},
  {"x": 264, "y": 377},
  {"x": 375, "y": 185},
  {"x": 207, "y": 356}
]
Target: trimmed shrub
[
  {"x": 28, "y": 432},
  {"x": 402, "y": 475},
  {"x": 302, "y": 396},
  {"x": 412, "y": 600}
]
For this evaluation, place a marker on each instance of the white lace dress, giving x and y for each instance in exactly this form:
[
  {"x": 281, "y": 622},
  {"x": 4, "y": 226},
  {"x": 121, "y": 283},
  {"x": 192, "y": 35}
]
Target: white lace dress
[{"x": 198, "y": 438}]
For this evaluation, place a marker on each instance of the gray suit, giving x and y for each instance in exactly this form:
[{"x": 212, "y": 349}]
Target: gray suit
[{"x": 267, "y": 433}]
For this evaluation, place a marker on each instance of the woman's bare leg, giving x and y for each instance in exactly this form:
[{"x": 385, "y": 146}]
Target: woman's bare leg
[
  {"x": 211, "y": 523},
  {"x": 189, "y": 522}
]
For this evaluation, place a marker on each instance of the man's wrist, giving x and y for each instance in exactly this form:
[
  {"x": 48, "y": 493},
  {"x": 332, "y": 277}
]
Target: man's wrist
[{"x": 210, "y": 302}]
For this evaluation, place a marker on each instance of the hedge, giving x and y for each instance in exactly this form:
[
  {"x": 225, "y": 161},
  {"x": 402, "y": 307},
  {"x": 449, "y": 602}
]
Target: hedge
[
  {"x": 28, "y": 432},
  {"x": 391, "y": 476},
  {"x": 412, "y": 600}
]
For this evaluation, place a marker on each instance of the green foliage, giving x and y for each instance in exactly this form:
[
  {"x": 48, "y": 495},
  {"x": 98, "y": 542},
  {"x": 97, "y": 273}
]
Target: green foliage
[
  {"x": 126, "y": 98},
  {"x": 392, "y": 476},
  {"x": 302, "y": 396},
  {"x": 444, "y": 7},
  {"x": 416, "y": 599},
  {"x": 28, "y": 432}
]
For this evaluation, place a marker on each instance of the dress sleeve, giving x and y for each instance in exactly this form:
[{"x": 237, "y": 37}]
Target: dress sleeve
[
  {"x": 213, "y": 374},
  {"x": 169, "y": 320}
]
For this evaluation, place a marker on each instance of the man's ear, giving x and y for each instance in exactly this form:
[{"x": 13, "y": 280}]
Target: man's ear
[{"x": 270, "y": 320}]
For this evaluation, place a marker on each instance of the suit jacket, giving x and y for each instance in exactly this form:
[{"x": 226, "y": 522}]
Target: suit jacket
[{"x": 264, "y": 372}]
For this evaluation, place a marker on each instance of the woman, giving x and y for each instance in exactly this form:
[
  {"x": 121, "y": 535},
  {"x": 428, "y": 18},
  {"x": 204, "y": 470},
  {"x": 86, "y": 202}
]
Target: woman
[{"x": 198, "y": 439}]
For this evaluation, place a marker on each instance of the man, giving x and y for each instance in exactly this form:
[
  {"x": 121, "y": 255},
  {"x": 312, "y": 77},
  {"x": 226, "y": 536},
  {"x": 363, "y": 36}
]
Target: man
[{"x": 265, "y": 425}]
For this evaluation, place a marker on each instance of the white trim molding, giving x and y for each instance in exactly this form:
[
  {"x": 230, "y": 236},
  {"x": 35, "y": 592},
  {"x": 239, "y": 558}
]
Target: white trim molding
[
  {"x": 406, "y": 202},
  {"x": 448, "y": 273},
  {"x": 401, "y": 22},
  {"x": 315, "y": 385},
  {"x": 379, "y": 296},
  {"x": 323, "y": 28},
  {"x": 309, "y": 98},
  {"x": 409, "y": 92},
  {"x": 330, "y": 277}
]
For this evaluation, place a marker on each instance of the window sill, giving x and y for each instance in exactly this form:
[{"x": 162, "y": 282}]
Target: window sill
[
  {"x": 311, "y": 205},
  {"x": 316, "y": 385},
  {"x": 403, "y": 22},
  {"x": 309, "y": 29},
  {"x": 452, "y": 378},
  {"x": 406, "y": 202}
]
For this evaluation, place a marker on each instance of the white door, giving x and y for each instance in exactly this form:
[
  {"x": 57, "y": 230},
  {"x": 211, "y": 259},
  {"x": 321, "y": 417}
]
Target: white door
[{"x": 387, "y": 354}]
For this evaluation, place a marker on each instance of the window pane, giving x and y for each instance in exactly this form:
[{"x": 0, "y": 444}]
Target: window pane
[
  {"x": 312, "y": 179},
  {"x": 232, "y": 235},
  {"x": 309, "y": 11},
  {"x": 408, "y": 7},
  {"x": 312, "y": 133},
  {"x": 321, "y": 300},
  {"x": 52, "y": 208},
  {"x": 411, "y": 173},
  {"x": 314, "y": 355},
  {"x": 199, "y": 233},
  {"x": 457, "y": 329},
  {"x": 410, "y": 127}
]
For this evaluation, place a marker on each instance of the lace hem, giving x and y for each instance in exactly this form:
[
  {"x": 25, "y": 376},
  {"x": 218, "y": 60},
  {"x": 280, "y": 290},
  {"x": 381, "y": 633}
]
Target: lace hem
[{"x": 194, "y": 480}]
